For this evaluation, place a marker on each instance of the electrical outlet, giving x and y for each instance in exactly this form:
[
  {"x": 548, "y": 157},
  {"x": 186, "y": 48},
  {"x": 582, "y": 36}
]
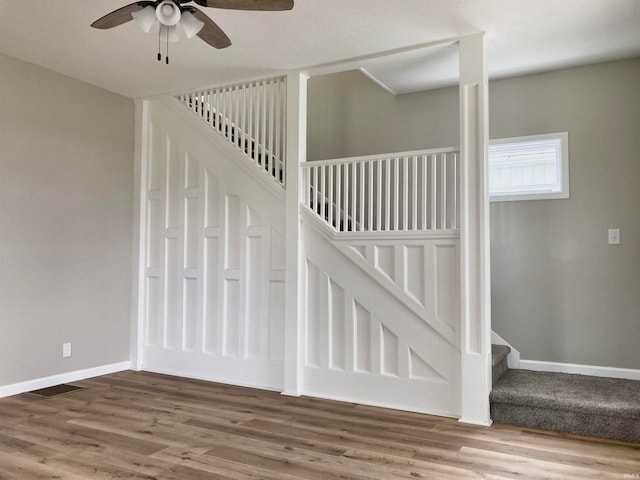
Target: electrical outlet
[
  {"x": 614, "y": 236},
  {"x": 66, "y": 350}
]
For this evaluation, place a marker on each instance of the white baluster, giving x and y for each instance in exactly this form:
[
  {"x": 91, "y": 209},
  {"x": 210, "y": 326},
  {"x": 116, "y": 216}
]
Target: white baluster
[
  {"x": 443, "y": 193},
  {"x": 456, "y": 179},
  {"x": 362, "y": 197},
  {"x": 405, "y": 193},
  {"x": 330, "y": 200},
  {"x": 433, "y": 192},
  {"x": 354, "y": 197},
  {"x": 263, "y": 126},
  {"x": 387, "y": 195},
  {"x": 414, "y": 193},
  {"x": 338, "y": 195},
  {"x": 396, "y": 193},
  {"x": 370, "y": 187},
  {"x": 323, "y": 198},
  {"x": 379, "y": 195},
  {"x": 345, "y": 220}
]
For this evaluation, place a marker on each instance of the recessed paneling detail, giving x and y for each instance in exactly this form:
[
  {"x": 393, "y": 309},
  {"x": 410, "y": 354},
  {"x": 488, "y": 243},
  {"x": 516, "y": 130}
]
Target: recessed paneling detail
[
  {"x": 175, "y": 161},
  {"x": 275, "y": 334},
  {"x": 447, "y": 283},
  {"x": 231, "y": 327},
  {"x": 212, "y": 296},
  {"x": 157, "y": 159},
  {"x": 173, "y": 295},
  {"x": 254, "y": 312},
  {"x": 314, "y": 316},
  {"x": 276, "y": 250},
  {"x": 233, "y": 226},
  {"x": 337, "y": 326},
  {"x": 363, "y": 343},
  {"x": 190, "y": 331},
  {"x": 253, "y": 218},
  {"x": 360, "y": 250},
  {"x": 384, "y": 339},
  {"x": 212, "y": 200},
  {"x": 385, "y": 260},
  {"x": 155, "y": 229},
  {"x": 421, "y": 370},
  {"x": 192, "y": 172},
  {"x": 214, "y": 286},
  {"x": 154, "y": 320},
  {"x": 414, "y": 272},
  {"x": 389, "y": 353},
  {"x": 191, "y": 229}
]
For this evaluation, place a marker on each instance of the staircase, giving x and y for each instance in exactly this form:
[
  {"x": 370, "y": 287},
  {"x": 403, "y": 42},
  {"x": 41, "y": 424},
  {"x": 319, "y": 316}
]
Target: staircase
[
  {"x": 250, "y": 116},
  {"x": 574, "y": 404}
]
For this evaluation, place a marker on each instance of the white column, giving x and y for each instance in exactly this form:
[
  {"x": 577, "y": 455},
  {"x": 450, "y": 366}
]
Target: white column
[
  {"x": 296, "y": 150},
  {"x": 475, "y": 276},
  {"x": 140, "y": 163}
]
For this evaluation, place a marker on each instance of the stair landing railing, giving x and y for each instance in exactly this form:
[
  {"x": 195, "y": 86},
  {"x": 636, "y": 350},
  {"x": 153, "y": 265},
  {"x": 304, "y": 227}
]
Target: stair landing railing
[
  {"x": 408, "y": 192},
  {"x": 251, "y": 116}
]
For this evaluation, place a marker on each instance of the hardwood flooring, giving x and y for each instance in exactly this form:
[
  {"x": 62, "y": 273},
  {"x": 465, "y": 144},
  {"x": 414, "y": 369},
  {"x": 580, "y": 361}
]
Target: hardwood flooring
[{"x": 147, "y": 426}]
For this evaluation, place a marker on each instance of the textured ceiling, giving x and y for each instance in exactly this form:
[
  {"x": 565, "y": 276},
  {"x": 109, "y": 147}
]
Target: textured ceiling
[{"x": 523, "y": 36}]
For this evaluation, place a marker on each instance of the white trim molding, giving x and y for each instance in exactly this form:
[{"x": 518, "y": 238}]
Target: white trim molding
[
  {"x": 475, "y": 256},
  {"x": 44, "y": 382},
  {"x": 592, "y": 370}
]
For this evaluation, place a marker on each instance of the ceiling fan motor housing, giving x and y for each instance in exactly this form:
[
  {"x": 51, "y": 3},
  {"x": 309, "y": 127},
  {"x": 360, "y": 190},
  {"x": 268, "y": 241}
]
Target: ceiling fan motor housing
[{"x": 168, "y": 13}]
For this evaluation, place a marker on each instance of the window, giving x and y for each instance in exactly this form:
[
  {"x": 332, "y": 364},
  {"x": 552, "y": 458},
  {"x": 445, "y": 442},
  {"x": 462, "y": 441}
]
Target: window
[{"x": 535, "y": 167}]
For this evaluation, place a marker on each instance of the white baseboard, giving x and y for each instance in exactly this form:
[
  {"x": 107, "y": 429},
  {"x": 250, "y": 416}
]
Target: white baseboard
[
  {"x": 488, "y": 423},
  {"x": 44, "y": 382},
  {"x": 592, "y": 370}
]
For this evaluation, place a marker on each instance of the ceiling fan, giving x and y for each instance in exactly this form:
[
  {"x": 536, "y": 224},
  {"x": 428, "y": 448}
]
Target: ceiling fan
[{"x": 171, "y": 13}]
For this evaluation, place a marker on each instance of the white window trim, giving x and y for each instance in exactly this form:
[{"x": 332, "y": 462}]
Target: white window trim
[{"x": 564, "y": 171}]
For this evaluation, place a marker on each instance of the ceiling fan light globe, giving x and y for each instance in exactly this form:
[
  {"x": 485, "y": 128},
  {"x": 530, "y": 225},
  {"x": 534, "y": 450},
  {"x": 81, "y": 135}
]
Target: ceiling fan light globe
[
  {"x": 190, "y": 24},
  {"x": 168, "y": 13},
  {"x": 145, "y": 18}
]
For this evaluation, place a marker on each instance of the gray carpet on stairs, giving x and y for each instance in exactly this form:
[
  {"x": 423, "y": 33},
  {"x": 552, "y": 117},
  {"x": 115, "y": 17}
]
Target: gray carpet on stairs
[
  {"x": 577, "y": 404},
  {"x": 498, "y": 362}
]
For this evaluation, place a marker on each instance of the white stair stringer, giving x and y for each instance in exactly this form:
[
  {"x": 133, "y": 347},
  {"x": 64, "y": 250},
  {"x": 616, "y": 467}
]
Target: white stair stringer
[
  {"x": 365, "y": 345},
  {"x": 212, "y": 282}
]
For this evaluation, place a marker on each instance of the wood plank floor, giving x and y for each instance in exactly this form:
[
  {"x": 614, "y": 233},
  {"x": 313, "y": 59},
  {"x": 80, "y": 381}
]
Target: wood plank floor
[{"x": 146, "y": 426}]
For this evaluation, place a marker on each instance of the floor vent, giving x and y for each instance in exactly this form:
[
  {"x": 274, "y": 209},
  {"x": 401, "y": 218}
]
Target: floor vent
[{"x": 55, "y": 390}]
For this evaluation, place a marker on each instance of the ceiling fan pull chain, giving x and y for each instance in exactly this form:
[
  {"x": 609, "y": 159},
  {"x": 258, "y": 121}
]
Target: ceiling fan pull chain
[
  {"x": 167, "y": 56},
  {"x": 159, "y": 35}
]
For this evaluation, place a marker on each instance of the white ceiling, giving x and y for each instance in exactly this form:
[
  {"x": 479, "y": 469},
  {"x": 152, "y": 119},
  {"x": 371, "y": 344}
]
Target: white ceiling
[{"x": 523, "y": 36}]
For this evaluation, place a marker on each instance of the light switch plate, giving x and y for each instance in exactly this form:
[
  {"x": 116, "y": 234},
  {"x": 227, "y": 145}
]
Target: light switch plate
[{"x": 614, "y": 236}]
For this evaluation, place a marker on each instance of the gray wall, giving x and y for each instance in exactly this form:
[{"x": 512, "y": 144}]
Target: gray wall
[
  {"x": 349, "y": 115},
  {"x": 66, "y": 166},
  {"x": 560, "y": 293}
]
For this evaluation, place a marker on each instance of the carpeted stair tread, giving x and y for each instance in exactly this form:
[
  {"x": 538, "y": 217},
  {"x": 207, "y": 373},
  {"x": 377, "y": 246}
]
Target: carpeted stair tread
[
  {"x": 581, "y": 394},
  {"x": 575, "y": 404}
]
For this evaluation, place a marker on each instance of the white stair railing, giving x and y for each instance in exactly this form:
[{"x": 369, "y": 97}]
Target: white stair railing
[
  {"x": 250, "y": 115},
  {"x": 409, "y": 191}
]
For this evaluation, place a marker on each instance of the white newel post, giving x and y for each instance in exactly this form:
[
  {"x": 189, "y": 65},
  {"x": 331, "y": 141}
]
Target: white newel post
[
  {"x": 139, "y": 232},
  {"x": 475, "y": 277},
  {"x": 296, "y": 150}
]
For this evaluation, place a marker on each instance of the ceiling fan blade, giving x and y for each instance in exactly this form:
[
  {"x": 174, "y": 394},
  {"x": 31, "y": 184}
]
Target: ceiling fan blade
[
  {"x": 260, "y": 5},
  {"x": 120, "y": 16},
  {"x": 211, "y": 32}
]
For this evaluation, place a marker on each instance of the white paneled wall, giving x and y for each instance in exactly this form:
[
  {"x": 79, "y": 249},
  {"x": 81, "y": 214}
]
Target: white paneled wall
[
  {"x": 383, "y": 321},
  {"x": 214, "y": 276}
]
